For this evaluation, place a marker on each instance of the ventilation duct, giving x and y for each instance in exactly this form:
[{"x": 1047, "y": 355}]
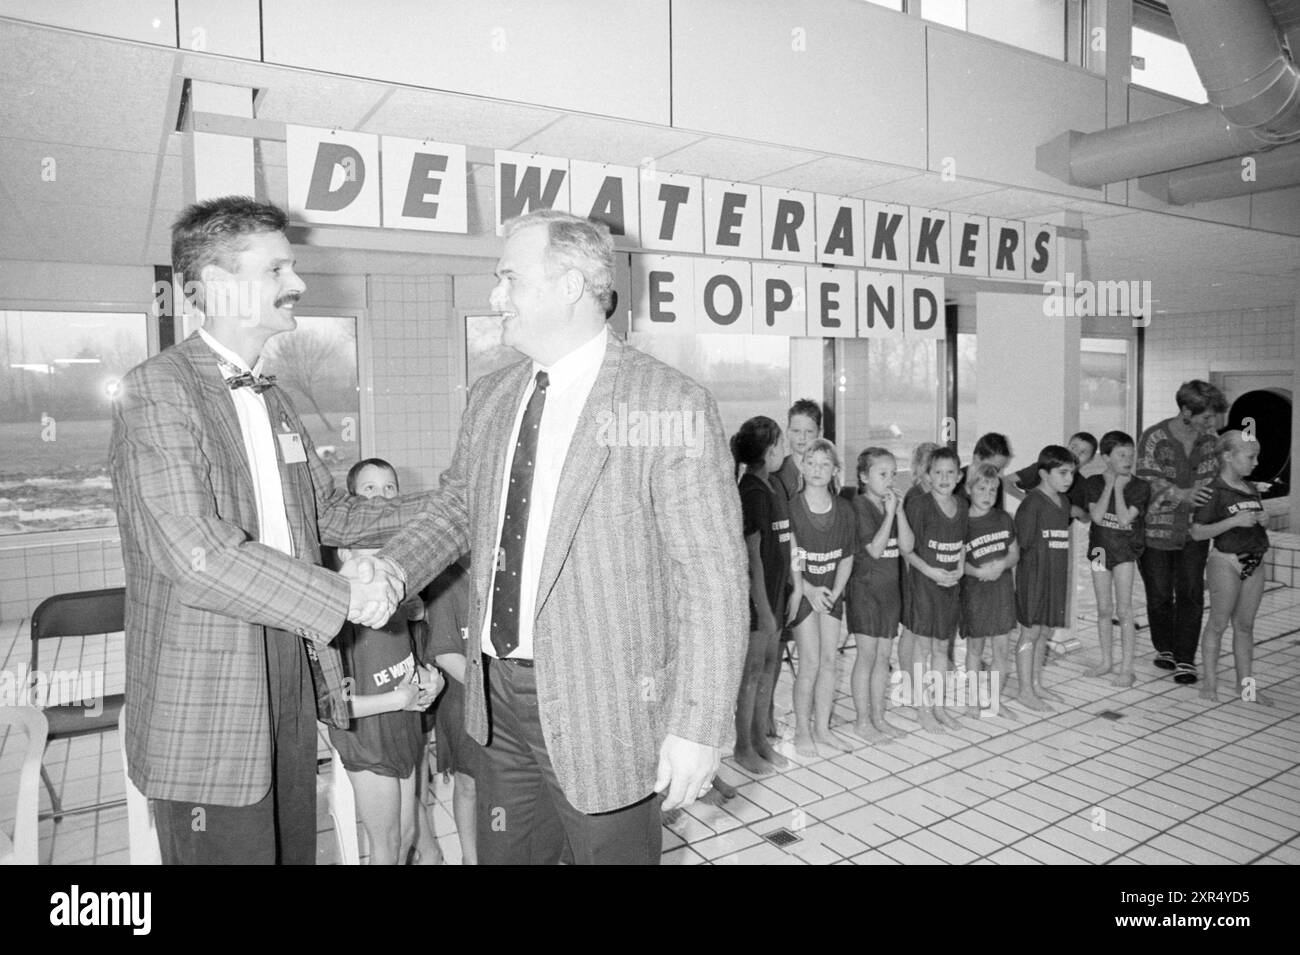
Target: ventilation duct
[
  {"x": 1239, "y": 176},
  {"x": 1286, "y": 14},
  {"x": 1253, "y": 88}
]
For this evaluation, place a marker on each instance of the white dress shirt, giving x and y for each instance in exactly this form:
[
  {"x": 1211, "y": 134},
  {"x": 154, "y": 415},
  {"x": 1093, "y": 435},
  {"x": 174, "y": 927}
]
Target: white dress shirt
[
  {"x": 259, "y": 445},
  {"x": 570, "y": 382}
]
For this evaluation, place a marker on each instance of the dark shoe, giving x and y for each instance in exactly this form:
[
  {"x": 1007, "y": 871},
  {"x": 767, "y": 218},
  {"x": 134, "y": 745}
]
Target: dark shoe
[
  {"x": 1185, "y": 673},
  {"x": 1165, "y": 661}
]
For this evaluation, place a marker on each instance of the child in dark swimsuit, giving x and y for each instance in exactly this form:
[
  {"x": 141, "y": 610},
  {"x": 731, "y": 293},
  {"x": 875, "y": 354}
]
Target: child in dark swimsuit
[
  {"x": 826, "y": 531},
  {"x": 1116, "y": 502},
  {"x": 938, "y": 523},
  {"x": 875, "y": 600},
  {"x": 1233, "y": 518},
  {"x": 1043, "y": 534}
]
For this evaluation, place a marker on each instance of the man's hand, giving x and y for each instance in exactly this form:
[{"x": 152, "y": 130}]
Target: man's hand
[
  {"x": 685, "y": 771},
  {"x": 376, "y": 589}
]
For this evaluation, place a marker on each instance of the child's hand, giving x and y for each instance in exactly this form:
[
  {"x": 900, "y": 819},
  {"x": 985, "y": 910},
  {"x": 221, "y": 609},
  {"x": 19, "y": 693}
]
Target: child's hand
[
  {"x": 408, "y": 694},
  {"x": 891, "y": 501},
  {"x": 793, "y": 610},
  {"x": 1245, "y": 518},
  {"x": 820, "y": 598},
  {"x": 951, "y": 578},
  {"x": 430, "y": 683},
  {"x": 944, "y": 578}
]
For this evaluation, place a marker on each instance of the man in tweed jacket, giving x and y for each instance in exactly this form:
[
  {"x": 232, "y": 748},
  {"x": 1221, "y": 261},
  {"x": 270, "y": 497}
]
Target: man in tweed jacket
[
  {"x": 633, "y": 612},
  {"x": 222, "y": 505}
]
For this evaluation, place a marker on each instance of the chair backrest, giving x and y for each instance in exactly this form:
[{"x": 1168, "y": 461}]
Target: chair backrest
[
  {"x": 24, "y": 847},
  {"x": 343, "y": 810},
  {"x": 142, "y": 835},
  {"x": 78, "y": 614}
]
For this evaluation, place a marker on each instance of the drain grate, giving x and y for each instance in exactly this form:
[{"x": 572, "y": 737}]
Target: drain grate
[
  {"x": 1110, "y": 715},
  {"x": 782, "y": 837}
]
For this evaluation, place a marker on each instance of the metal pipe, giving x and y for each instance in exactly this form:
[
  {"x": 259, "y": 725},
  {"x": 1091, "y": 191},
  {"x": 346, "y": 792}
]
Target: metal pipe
[
  {"x": 1237, "y": 53},
  {"x": 1275, "y": 169},
  {"x": 1254, "y": 92},
  {"x": 1286, "y": 14}
]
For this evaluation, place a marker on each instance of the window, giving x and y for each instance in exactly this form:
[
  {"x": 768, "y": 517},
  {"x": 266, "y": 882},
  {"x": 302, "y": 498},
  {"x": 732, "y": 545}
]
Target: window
[
  {"x": 1160, "y": 60},
  {"x": 889, "y": 396},
  {"x": 58, "y": 377},
  {"x": 316, "y": 365},
  {"x": 951, "y": 13},
  {"x": 968, "y": 429},
  {"x": 1046, "y": 27},
  {"x": 748, "y": 374},
  {"x": 1105, "y": 392},
  {"x": 484, "y": 352}
]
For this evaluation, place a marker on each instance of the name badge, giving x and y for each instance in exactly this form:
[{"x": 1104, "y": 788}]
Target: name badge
[{"x": 291, "y": 448}]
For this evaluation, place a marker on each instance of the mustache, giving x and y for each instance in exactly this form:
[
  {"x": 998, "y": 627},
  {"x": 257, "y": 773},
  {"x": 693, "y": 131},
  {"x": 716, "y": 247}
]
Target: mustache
[{"x": 292, "y": 298}]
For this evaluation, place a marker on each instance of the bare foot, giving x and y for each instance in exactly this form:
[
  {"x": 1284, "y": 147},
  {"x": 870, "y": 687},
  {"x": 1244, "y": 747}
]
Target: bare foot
[
  {"x": 770, "y": 755},
  {"x": 1101, "y": 669},
  {"x": 723, "y": 789},
  {"x": 804, "y": 746},
  {"x": 1031, "y": 702},
  {"x": 1008, "y": 712},
  {"x": 428, "y": 857},
  {"x": 1209, "y": 692},
  {"x": 751, "y": 762},
  {"x": 864, "y": 731},
  {"x": 1263, "y": 700},
  {"x": 1123, "y": 679},
  {"x": 945, "y": 717},
  {"x": 1043, "y": 693},
  {"x": 828, "y": 739},
  {"x": 928, "y": 722},
  {"x": 889, "y": 729}
]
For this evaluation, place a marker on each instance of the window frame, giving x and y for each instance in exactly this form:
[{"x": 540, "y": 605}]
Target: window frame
[
  {"x": 78, "y": 535},
  {"x": 365, "y": 385},
  {"x": 1133, "y": 403}
]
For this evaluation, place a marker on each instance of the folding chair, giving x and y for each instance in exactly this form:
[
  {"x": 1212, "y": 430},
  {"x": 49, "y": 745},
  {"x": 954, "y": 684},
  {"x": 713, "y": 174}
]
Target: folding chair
[
  {"x": 22, "y": 848},
  {"x": 336, "y": 789},
  {"x": 79, "y": 614},
  {"x": 142, "y": 834}
]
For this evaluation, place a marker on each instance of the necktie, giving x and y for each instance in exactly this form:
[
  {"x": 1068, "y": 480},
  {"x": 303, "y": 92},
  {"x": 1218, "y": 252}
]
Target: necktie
[
  {"x": 514, "y": 528},
  {"x": 259, "y": 383}
]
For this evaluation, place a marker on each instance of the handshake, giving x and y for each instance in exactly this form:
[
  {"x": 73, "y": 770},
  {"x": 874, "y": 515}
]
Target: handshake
[{"x": 377, "y": 586}]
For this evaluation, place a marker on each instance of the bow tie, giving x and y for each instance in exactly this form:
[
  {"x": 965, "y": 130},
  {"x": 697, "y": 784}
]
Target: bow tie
[{"x": 259, "y": 383}]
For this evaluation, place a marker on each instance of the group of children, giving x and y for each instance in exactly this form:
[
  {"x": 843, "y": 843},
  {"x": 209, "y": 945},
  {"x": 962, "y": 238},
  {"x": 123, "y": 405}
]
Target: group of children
[{"x": 946, "y": 557}]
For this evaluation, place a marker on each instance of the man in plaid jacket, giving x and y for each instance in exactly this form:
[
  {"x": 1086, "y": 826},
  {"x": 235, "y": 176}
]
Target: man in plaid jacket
[{"x": 223, "y": 506}]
